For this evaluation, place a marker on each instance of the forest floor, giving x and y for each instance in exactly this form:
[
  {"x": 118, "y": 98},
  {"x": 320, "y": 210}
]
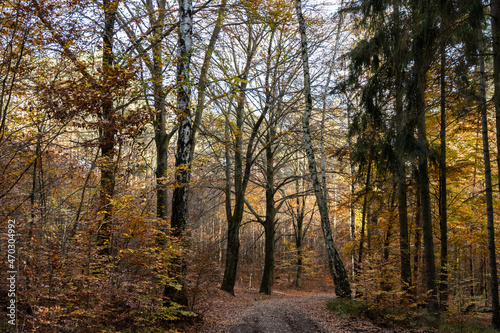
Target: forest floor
[{"x": 287, "y": 311}]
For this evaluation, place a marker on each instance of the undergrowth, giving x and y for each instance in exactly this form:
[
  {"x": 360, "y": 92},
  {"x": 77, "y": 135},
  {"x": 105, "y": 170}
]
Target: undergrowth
[{"x": 410, "y": 317}]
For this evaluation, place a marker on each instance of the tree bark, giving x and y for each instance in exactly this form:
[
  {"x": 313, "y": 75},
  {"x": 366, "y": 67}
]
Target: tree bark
[
  {"x": 266, "y": 285},
  {"x": 489, "y": 194},
  {"x": 417, "y": 244},
  {"x": 107, "y": 131},
  {"x": 299, "y": 244},
  {"x": 363, "y": 218},
  {"x": 337, "y": 269},
  {"x": 495, "y": 30},
  {"x": 404, "y": 245},
  {"x": 184, "y": 139},
  {"x": 161, "y": 137},
  {"x": 423, "y": 178},
  {"x": 443, "y": 274}
]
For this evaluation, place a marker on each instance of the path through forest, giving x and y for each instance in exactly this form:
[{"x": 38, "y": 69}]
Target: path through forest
[
  {"x": 279, "y": 315},
  {"x": 287, "y": 311}
]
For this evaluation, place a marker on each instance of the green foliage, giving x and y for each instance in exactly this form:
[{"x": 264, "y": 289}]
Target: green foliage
[
  {"x": 163, "y": 315},
  {"x": 348, "y": 307},
  {"x": 464, "y": 327}
]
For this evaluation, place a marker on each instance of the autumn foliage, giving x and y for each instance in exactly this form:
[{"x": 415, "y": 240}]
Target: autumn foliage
[{"x": 89, "y": 130}]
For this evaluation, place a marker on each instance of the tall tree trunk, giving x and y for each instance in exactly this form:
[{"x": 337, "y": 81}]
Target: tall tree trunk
[
  {"x": 241, "y": 175},
  {"x": 364, "y": 214},
  {"x": 183, "y": 154},
  {"x": 233, "y": 242},
  {"x": 423, "y": 178},
  {"x": 300, "y": 232},
  {"x": 443, "y": 274},
  {"x": 35, "y": 188},
  {"x": 299, "y": 244},
  {"x": 184, "y": 139},
  {"x": 495, "y": 30},
  {"x": 352, "y": 212},
  {"x": 267, "y": 282},
  {"x": 107, "y": 131},
  {"x": 489, "y": 195},
  {"x": 388, "y": 233},
  {"x": 235, "y": 216},
  {"x": 337, "y": 269},
  {"x": 161, "y": 137},
  {"x": 404, "y": 245},
  {"x": 417, "y": 244}
]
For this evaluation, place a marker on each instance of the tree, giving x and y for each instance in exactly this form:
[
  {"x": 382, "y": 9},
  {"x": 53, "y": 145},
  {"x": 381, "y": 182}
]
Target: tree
[
  {"x": 184, "y": 137},
  {"x": 107, "y": 131},
  {"x": 489, "y": 191},
  {"x": 243, "y": 161},
  {"x": 495, "y": 31},
  {"x": 382, "y": 99},
  {"x": 337, "y": 269}
]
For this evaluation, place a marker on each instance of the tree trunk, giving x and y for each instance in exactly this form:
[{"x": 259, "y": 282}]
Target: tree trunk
[
  {"x": 423, "y": 172},
  {"x": 266, "y": 285},
  {"x": 232, "y": 256},
  {"x": 267, "y": 282},
  {"x": 337, "y": 269},
  {"x": 241, "y": 175},
  {"x": 107, "y": 132},
  {"x": 184, "y": 139},
  {"x": 183, "y": 154},
  {"x": 388, "y": 233},
  {"x": 443, "y": 274},
  {"x": 489, "y": 195},
  {"x": 352, "y": 213},
  {"x": 299, "y": 244},
  {"x": 363, "y": 218},
  {"x": 404, "y": 245},
  {"x": 161, "y": 137},
  {"x": 417, "y": 244},
  {"x": 299, "y": 234},
  {"x": 495, "y": 30}
]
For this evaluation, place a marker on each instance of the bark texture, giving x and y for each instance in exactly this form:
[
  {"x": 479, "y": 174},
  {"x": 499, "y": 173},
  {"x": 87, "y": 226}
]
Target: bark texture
[
  {"x": 184, "y": 139},
  {"x": 107, "y": 131}
]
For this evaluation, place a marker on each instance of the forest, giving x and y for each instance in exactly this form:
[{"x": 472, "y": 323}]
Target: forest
[{"x": 163, "y": 160}]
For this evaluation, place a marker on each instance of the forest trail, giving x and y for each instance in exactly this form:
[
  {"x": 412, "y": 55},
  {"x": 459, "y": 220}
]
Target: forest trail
[
  {"x": 286, "y": 311},
  {"x": 277, "y": 316}
]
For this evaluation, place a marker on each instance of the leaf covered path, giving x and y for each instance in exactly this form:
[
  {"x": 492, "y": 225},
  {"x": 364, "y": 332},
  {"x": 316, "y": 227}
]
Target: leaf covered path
[
  {"x": 289, "y": 311},
  {"x": 279, "y": 316}
]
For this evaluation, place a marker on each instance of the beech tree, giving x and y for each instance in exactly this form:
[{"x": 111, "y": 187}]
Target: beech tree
[{"x": 243, "y": 159}]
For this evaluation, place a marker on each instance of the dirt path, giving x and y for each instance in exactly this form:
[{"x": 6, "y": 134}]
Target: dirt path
[
  {"x": 286, "y": 311},
  {"x": 277, "y": 316}
]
